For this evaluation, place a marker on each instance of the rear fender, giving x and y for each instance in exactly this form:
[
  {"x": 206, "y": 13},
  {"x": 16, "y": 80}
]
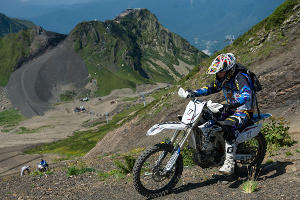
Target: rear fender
[
  {"x": 157, "y": 128},
  {"x": 248, "y": 133}
]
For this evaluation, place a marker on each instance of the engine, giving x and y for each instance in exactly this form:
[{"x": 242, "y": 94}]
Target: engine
[{"x": 212, "y": 156}]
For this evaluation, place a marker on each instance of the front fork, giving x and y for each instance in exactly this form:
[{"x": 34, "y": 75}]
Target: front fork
[{"x": 175, "y": 152}]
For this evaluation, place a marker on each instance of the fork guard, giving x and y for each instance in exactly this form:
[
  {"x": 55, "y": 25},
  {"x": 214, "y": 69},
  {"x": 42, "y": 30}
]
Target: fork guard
[{"x": 157, "y": 128}]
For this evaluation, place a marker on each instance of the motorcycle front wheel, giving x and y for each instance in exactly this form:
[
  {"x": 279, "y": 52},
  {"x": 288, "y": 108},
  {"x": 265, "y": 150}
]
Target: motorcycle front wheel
[{"x": 149, "y": 177}]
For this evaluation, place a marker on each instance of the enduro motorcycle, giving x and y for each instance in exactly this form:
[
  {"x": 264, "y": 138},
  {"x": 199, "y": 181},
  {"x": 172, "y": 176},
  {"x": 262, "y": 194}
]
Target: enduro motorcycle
[{"x": 158, "y": 169}]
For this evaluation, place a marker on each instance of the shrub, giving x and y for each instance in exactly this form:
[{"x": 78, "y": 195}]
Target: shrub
[
  {"x": 276, "y": 133},
  {"x": 68, "y": 95},
  {"x": 187, "y": 156},
  {"x": 113, "y": 173},
  {"x": 127, "y": 167},
  {"x": 73, "y": 170}
]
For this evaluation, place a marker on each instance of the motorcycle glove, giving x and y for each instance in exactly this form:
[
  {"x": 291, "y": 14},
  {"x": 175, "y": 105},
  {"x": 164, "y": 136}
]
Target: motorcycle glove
[
  {"x": 229, "y": 107},
  {"x": 191, "y": 94}
]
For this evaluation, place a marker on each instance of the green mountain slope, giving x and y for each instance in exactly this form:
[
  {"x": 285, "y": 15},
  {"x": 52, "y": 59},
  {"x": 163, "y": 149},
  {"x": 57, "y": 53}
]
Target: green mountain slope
[
  {"x": 11, "y": 25},
  {"x": 17, "y": 48},
  {"x": 134, "y": 48}
]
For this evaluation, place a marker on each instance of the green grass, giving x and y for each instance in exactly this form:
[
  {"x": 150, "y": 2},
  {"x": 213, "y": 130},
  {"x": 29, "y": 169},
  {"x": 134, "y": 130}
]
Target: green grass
[
  {"x": 39, "y": 173},
  {"x": 125, "y": 167},
  {"x": 68, "y": 95},
  {"x": 250, "y": 186},
  {"x": 111, "y": 174},
  {"x": 130, "y": 98},
  {"x": 74, "y": 171},
  {"x": 24, "y": 130},
  {"x": 10, "y": 118},
  {"x": 298, "y": 150},
  {"x": 269, "y": 161},
  {"x": 187, "y": 156}
]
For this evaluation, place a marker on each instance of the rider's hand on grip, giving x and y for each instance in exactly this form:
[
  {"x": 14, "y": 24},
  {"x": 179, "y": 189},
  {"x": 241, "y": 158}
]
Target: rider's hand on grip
[
  {"x": 182, "y": 93},
  {"x": 191, "y": 94},
  {"x": 227, "y": 108}
]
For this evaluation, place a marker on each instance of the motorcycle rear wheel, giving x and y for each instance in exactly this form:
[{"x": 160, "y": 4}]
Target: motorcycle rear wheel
[
  {"x": 149, "y": 179},
  {"x": 257, "y": 146}
]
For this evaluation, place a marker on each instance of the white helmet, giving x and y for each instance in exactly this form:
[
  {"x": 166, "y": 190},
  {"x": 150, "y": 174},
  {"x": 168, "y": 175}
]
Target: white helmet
[{"x": 222, "y": 63}]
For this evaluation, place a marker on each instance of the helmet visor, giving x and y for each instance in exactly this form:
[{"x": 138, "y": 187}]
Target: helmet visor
[{"x": 215, "y": 67}]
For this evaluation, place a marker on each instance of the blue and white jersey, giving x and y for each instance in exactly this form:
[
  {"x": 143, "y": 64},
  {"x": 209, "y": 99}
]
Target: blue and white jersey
[{"x": 236, "y": 89}]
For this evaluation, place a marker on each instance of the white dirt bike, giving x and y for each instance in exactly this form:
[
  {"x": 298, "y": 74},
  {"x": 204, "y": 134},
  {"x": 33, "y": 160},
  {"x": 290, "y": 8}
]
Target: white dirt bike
[{"x": 158, "y": 169}]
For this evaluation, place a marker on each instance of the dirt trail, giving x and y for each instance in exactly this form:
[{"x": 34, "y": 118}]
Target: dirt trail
[{"x": 56, "y": 124}]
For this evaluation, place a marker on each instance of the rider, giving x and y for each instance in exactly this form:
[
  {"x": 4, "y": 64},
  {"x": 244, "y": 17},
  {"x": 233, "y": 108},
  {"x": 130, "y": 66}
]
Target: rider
[{"x": 236, "y": 88}]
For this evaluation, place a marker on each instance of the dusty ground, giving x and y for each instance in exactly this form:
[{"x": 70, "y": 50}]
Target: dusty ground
[
  {"x": 56, "y": 124},
  {"x": 277, "y": 180}
]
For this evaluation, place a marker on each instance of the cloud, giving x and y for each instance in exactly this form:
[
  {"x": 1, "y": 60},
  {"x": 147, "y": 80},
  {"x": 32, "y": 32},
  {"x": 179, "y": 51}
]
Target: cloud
[
  {"x": 208, "y": 46},
  {"x": 206, "y": 51}
]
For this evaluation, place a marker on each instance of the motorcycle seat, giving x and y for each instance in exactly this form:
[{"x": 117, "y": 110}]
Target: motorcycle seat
[{"x": 249, "y": 123}]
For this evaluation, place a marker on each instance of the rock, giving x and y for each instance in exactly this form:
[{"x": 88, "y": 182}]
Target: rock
[
  {"x": 225, "y": 182},
  {"x": 292, "y": 168},
  {"x": 281, "y": 93}
]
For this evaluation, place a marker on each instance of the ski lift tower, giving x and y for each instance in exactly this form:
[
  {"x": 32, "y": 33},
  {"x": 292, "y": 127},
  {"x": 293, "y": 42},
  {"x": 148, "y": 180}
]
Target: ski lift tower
[
  {"x": 106, "y": 117},
  {"x": 143, "y": 98}
]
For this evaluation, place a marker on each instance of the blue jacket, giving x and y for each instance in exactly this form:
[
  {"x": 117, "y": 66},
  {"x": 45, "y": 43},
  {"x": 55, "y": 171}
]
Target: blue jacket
[{"x": 236, "y": 88}]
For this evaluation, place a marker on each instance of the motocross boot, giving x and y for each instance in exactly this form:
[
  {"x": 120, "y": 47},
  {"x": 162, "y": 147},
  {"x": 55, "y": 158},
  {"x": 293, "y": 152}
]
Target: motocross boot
[{"x": 228, "y": 166}]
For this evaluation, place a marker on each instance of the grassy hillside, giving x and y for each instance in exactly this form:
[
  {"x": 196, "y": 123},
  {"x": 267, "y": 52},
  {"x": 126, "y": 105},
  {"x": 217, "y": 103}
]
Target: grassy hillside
[
  {"x": 132, "y": 49},
  {"x": 16, "y": 48},
  {"x": 13, "y": 49},
  {"x": 106, "y": 55},
  {"x": 10, "y": 25}
]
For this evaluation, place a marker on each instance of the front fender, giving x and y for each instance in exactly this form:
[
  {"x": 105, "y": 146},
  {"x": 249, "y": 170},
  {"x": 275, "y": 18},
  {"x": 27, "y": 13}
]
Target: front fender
[{"x": 157, "y": 128}]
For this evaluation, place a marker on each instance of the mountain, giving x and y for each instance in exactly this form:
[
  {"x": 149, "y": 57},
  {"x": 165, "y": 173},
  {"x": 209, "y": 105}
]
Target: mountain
[
  {"x": 270, "y": 49},
  {"x": 134, "y": 48},
  {"x": 201, "y": 22},
  {"x": 11, "y": 25},
  {"x": 15, "y": 49}
]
